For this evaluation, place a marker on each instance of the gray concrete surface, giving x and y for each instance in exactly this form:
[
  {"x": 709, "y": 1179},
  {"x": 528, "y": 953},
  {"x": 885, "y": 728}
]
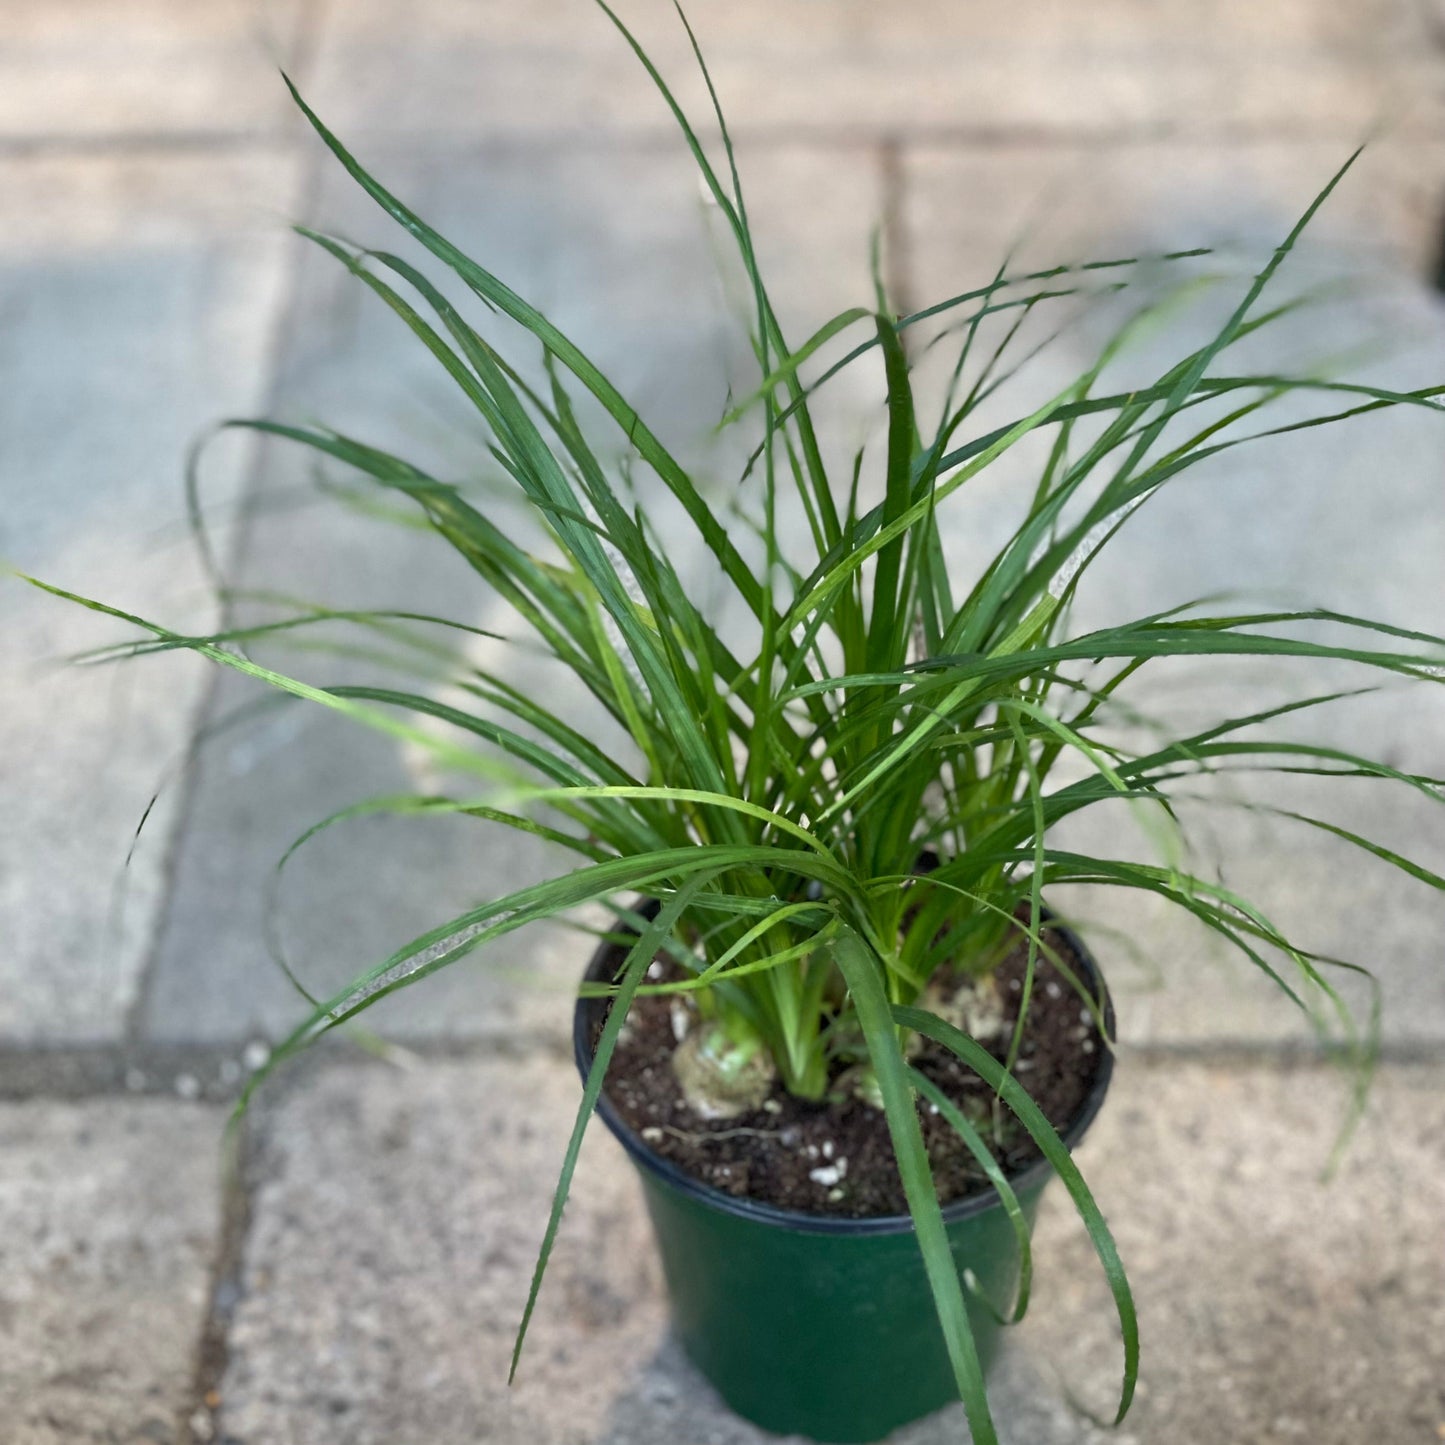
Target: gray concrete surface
[
  {"x": 929, "y": 65},
  {"x": 149, "y": 162},
  {"x": 352, "y": 895},
  {"x": 139, "y": 295},
  {"x": 547, "y": 209},
  {"x": 398, "y": 1214},
  {"x": 399, "y": 1326},
  {"x": 148, "y": 72},
  {"x": 109, "y": 1220},
  {"x": 1273, "y": 1305},
  {"x": 1321, "y": 515}
]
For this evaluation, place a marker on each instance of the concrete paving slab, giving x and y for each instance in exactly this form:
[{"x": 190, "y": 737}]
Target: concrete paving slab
[
  {"x": 86, "y": 71},
  {"x": 1273, "y": 1306},
  {"x": 1177, "y": 984},
  {"x": 969, "y": 206},
  {"x": 634, "y": 282},
  {"x": 1350, "y": 518},
  {"x": 422, "y": 1182},
  {"x": 109, "y": 1214},
  {"x": 138, "y": 298},
  {"x": 398, "y": 1212},
  {"x": 918, "y": 66}
]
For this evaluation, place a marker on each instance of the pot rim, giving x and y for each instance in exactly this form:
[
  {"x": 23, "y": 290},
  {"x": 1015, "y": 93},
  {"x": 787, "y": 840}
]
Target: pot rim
[{"x": 1034, "y": 1174}]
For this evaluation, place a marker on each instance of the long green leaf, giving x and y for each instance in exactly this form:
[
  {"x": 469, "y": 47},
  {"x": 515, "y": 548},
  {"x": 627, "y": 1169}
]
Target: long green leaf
[
  {"x": 862, "y": 971},
  {"x": 639, "y": 957},
  {"x": 1052, "y": 1147}
]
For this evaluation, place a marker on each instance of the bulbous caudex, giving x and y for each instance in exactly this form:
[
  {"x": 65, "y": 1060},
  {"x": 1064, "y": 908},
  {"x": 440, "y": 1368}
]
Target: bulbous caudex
[{"x": 724, "y": 1068}]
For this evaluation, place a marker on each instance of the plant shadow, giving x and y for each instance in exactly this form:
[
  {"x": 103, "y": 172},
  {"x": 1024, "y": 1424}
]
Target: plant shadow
[{"x": 668, "y": 1401}]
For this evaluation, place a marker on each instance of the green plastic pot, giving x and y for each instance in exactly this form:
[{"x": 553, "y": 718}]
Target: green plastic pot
[{"x": 809, "y": 1324}]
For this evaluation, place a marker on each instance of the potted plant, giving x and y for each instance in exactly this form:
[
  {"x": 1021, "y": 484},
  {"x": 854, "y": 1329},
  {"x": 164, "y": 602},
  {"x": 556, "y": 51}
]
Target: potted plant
[{"x": 834, "y": 1023}]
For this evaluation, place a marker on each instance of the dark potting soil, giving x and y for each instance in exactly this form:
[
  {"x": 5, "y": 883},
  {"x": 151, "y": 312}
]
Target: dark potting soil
[{"x": 836, "y": 1157}]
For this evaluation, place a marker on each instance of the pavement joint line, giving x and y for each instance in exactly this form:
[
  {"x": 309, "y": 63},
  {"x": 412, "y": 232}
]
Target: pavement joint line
[
  {"x": 288, "y": 134},
  {"x": 312, "y": 19},
  {"x": 1433, "y": 19},
  {"x": 215, "y": 1073},
  {"x": 242, "y": 1168},
  {"x": 1282, "y": 1054},
  {"x": 897, "y": 260},
  {"x": 123, "y": 144}
]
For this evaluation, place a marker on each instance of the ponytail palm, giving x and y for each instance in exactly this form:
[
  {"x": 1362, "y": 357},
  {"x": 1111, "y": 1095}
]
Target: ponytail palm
[{"x": 782, "y": 780}]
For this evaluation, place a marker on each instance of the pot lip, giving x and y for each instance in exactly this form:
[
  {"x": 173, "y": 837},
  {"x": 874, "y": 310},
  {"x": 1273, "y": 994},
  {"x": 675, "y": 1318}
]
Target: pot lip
[{"x": 665, "y": 1171}]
